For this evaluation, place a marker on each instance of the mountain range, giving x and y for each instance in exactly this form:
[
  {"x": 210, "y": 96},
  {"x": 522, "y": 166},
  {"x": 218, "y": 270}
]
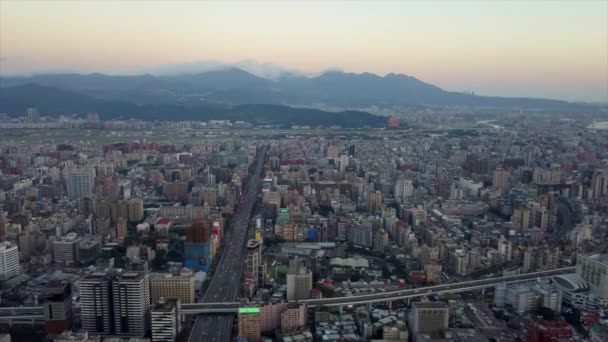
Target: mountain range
[{"x": 233, "y": 87}]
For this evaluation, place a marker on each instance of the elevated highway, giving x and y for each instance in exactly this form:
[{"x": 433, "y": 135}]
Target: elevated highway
[
  {"x": 389, "y": 296},
  {"x": 225, "y": 282}
]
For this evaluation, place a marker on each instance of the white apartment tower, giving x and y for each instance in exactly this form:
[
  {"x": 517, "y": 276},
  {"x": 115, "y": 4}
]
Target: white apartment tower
[
  {"x": 9, "y": 260},
  {"x": 95, "y": 303},
  {"x": 131, "y": 299},
  {"x": 165, "y": 320}
]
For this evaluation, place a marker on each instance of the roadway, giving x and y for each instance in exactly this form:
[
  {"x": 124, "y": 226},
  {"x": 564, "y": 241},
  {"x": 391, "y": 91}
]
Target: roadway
[
  {"x": 225, "y": 282},
  {"x": 383, "y": 297}
]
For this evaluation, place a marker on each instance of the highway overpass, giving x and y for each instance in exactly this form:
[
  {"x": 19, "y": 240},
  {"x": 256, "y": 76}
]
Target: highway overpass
[
  {"x": 36, "y": 313},
  {"x": 387, "y": 297}
]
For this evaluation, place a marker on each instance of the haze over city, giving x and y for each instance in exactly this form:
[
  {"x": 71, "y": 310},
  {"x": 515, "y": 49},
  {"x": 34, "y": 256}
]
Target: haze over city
[
  {"x": 547, "y": 49},
  {"x": 303, "y": 171}
]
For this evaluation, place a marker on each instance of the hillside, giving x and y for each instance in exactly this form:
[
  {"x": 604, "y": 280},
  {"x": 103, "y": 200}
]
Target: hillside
[{"x": 55, "y": 101}]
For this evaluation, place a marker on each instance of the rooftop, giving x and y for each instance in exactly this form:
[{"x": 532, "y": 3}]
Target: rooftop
[
  {"x": 601, "y": 258},
  {"x": 163, "y": 220},
  {"x": 165, "y": 304},
  {"x": 430, "y": 305}
]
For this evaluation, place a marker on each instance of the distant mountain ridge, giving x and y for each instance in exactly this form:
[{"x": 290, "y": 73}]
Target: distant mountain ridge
[
  {"x": 234, "y": 86},
  {"x": 52, "y": 101}
]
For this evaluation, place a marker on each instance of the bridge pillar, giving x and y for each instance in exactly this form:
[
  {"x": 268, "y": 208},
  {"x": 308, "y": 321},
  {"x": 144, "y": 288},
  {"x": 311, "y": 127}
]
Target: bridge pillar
[
  {"x": 389, "y": 304},
  {"x": 408, "y": 301},
  {"x": 369, "y": 306},
  {"x": 483, "y": 292},
  {"x": 340, "y": 309}
]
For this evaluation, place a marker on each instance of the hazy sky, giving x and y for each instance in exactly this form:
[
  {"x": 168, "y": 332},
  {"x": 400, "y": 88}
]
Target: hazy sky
[{"x": 555, "y": 49}]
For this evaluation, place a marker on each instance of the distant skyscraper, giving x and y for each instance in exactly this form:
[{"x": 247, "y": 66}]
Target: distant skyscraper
[
  {"x": 92, "y": 117},
  {"x": 404, "y": 188},
  {"x": 198, "y": 232},
  {"x": 136, "y": 209},
  {"x": 343, "y": 162},
  {"x": 360, "y": 235},
  {"x": 121, "y": 228},
  {"x": 380, "y": 240},
  {"x": 499, "y": 178},
  {"x": 198, "y": 247},
  {"x": 254, "y": 262},
  {"x": 299, "y": 281},
  {"x": 80, "y": 183},
  {"x": 599, "y": 183},
  {"x": 352, "y": 150},
  {"x": 374, "y": 201},
  {"x": 31, "y": 115}
]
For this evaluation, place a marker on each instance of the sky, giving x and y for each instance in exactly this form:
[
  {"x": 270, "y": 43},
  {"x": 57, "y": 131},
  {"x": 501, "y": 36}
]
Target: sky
[{"x": 553, "y": 49}]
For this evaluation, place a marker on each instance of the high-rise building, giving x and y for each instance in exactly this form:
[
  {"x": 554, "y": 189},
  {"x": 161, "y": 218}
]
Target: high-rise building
[
  {"x": 522, "y": 299},
  {"x": 87, "y": 251},
  {"x": 118, "y": 210},
  {"x": 57, "y": 304},
  {"x": 374, "y": 201},
  {"x": 593, "y": 268},
  {"x": 198, "y": 232},
  {"x": 404, "y": 188},
  {"x": 210, "y": 196},
  {"x": 299, "y": 281},
  {"x": 121, "y": 228},
  {"x": 293, "y": 317},
  {"x": 172, "y": 285},
  {"x": 198, "y": 247},
  {"x": 250, "y": 326},
  {"x": 31, "y": 115},
  {"x": 500, "y": 295},
  {"x": 80, "y": 183},
  {"x": 131, "y": 299},
  {"x": 270, "y": 315},
  {"x": 254, "y": 262},
  {"x": 380, "y": 240},
  {"x": 176, "y": 191},
  {"x": 136, "y": 209},
  {"x": 9, "y": 260},
  {"x": 500, "y": 178},
  {"x": 360, "y": 235},
  {"x": 288, "y": 231},
  {"x": 343, "y": 162},
  {"x": 165, "y": 320},
  {"x": 428, "y": 318},
  {"x": 65, "y": 249},
  {"x": 599, "y": 183},
  {"x": 96, "y": 303}
]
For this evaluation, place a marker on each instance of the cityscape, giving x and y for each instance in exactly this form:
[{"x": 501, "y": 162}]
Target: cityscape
[{"x": 247, "y": 202}]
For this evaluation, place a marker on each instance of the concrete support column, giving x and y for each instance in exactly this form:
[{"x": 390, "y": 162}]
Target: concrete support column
[
  {"x": 340, "y": 308},
  {"x": 483, "y": 292}
]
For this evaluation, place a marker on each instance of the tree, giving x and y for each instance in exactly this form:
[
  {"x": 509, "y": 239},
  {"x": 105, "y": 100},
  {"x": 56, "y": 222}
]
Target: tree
[{"x": 161, "y": 259}]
